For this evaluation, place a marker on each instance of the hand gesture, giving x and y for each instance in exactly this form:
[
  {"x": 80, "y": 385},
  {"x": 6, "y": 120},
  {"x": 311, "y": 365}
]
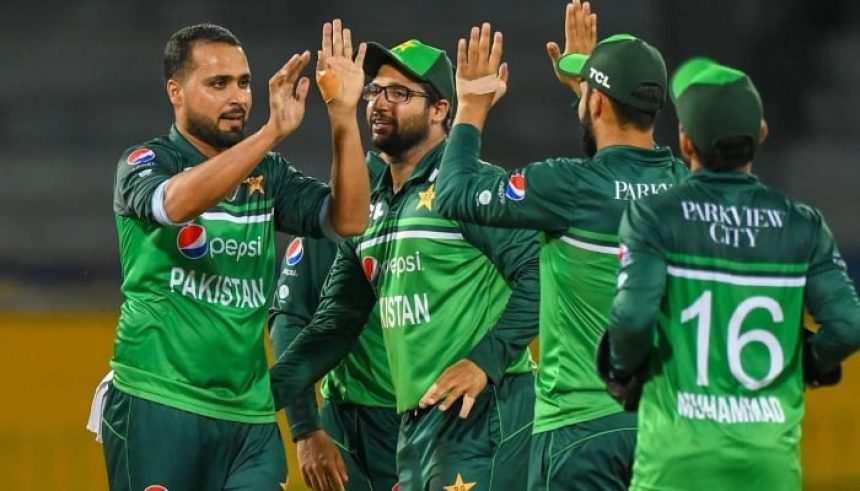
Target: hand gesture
[
  {"x": 321, "y": 463},
  {"x": 340, "y": 79},
  {"x": 287, "y": 95},
  {"x": 463, "y": 379},
  {"x": 481, "y": 76},
  {"x": 580, "y": 36}
]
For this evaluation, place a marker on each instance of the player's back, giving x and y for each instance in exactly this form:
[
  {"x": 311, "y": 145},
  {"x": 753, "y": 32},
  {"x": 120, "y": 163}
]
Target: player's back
[{"x": 725, "y": 400}]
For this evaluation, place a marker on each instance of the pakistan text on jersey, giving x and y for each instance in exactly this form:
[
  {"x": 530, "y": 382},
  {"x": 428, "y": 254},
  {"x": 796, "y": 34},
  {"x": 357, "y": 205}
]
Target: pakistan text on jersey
[
  {"x": 218, "y": 290},
  {"x": 731, "y": 225},
  {"x": 404, "y": 310},
  {"x": 730, "y": 409}
]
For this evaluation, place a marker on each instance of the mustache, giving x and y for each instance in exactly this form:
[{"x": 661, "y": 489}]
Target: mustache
[{"x": 234, "y": 112}]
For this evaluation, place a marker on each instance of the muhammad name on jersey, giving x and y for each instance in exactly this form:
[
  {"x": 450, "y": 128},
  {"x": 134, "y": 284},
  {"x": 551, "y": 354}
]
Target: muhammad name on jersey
[
  {"x": 732, "y": 225},
  {"x": 730, "y": 409}
]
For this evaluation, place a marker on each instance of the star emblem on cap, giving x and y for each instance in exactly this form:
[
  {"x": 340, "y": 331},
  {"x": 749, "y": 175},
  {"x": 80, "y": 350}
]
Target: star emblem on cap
[
  {"x": 459, "y": 485},
  {"x": 425, "y": 198},
  {"x": 406, "y": 45},
  {"x": 255, "y": 184}
]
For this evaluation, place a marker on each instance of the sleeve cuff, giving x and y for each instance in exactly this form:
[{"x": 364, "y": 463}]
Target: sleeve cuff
[
  {"x": 482, "y": 355},
  {"x": 158, "y": 211}
]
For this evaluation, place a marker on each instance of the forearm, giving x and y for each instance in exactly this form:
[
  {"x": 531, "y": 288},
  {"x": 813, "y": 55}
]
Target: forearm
[
  {"x": 516, "y": 327},
  {"x": 188, "y": 194},
  {"x": 473, "y": 114},
  {"x": 634, "y": 310},
  {"x": 833, "y": 303},
  {"x": 302, "y": 412},
  {"x": 349, "y": 180}
]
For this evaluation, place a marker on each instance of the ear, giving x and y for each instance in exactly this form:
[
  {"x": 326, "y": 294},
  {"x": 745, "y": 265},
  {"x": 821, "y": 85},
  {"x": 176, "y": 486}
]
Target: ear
[
  {"x": 441, "y": 108},
  {"x": 174, "y": 92},
  {"x": 597, "y": 104},
  {"x": 685, "y": 144},
  {"x": 764, "y": 132}
]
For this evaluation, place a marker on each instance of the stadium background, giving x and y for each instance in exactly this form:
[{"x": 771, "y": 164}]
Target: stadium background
[{"x": 81, "y": 81}]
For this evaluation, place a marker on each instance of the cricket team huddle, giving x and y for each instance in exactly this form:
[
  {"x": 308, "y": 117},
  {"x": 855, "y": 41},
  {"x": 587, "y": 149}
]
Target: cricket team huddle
[{"x": 681, "y": 306}]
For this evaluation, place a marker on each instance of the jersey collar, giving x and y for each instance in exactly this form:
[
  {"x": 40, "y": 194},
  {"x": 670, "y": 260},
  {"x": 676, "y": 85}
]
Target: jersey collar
[
  {"x": 184, "y": 145},
  {"x": 733, "y": 178},
  {"x": 422, "y": 173},
  {"x": 648, "y": 156}
]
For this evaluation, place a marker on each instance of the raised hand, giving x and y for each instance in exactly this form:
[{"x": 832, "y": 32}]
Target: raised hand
[
  {"x": 580, "y": 36},
  {"x": 339, "y": 77},
  {"x": 481, "y": 76},
  {"x": 287, "y": 95}
]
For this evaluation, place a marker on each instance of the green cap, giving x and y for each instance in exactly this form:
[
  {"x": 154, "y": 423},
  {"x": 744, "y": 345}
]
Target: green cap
[
  {"x": 418, "y": 60},
  {"x": 714, "y": 102},
  {"x": 619, "y": 65}
]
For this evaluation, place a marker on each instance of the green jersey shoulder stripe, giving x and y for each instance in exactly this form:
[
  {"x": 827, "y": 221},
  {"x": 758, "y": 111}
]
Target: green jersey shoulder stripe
[
  {"x": 218, "y": 216},
  {"x": 408, "y": 234},
  {"x": 735, "y": 279},
  {"x": 739, "y": 266},
  {"x": 589, "y": 246}
]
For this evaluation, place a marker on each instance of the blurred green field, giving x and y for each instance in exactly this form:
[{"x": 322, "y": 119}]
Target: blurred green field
[{"x": 51, "y": 364}]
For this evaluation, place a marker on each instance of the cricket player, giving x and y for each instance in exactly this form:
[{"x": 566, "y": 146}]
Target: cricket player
[
  {"x": 715, "y": 274},
  {"x": 458, "y": 303},
  {"x": 582, "y": 440},
  {"x": 353, "y": 437},
  {"x": 189, "y": 406}
]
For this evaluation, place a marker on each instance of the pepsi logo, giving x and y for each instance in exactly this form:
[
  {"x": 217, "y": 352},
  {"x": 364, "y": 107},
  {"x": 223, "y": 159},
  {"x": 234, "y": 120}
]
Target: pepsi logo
[
  {"x": 191, "y": 241},
  {"x": 295, "y": 252},
  {"x": 155, "y": 487},
  {"x": 370, "y": 266},
  {"x": 516, "y": 188},
  {"x": 624, "y": 255},
  {"x": 141, "y": 155}
]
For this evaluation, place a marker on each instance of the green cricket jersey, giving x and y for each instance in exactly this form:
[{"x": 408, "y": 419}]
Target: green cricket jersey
[
  {"x": 726, "y": 265},
  {"x": 195, "y": 296},
  {"x": 446, "y": 291},
  {"x": 577, "y": 204},
  {"x": 363, "y": 377}
]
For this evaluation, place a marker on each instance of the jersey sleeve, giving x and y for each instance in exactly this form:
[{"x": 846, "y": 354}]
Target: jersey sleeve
[
  {"x": 832, "y": 300},
  {"x": 140, "y": 172},
  {"x": 641, "y": 285},
  {"x": 346, "y": 302},
  {"x": 302, "y": 203},
  {"x": 539, "y": 196},
  {"x": 515, "y": 255},
  {"x": 296, "y": 297}
]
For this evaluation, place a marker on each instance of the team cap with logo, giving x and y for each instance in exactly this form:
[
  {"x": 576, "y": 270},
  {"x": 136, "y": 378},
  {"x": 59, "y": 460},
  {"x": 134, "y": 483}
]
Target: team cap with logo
[
  {"x": 418, "y": 60},
  {"x": 714, "y": 102},
  {"x": 618, "y": 66}
]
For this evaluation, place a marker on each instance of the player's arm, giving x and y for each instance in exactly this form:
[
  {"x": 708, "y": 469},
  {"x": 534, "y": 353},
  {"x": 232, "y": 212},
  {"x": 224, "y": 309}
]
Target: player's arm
[
  {"x": 641, "y": 284},
  {"x": 341, "y": 80},
  {"x": 188, "y": 194},
  {"x": 346, "y": 301},
  {"x": 832, "y": 300},
  {"x": 538, "y": 197},
  {"x": 515, "y": 254},
  {"x": 295, "y": 300}
]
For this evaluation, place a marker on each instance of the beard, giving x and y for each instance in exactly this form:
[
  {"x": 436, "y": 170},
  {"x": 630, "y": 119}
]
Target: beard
[
  {"x": 404, "y": 134},
  {"x": 208, "y": 131},
  {"x": 589, "y": 144}
]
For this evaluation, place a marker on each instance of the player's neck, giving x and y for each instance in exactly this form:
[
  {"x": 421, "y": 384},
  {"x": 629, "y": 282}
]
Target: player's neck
[
  {"x": 696, "y": 165},
  {"x": 403, "y": 165},
  {"x": 610, "y": 137}
]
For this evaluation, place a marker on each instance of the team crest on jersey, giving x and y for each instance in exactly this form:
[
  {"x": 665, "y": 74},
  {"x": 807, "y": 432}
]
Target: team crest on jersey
[
  {"x": 155, "y": 487},
  {"x": 141, "y": 155},
  {"x": 460, "y": 485},
  {"x": 624, "y": 255},
  {"x": 192, "y": 242},
  {"x": 295, "y": 252},
  {"x": 516, "y": 188},
  {"x": 371, "y": 267}
]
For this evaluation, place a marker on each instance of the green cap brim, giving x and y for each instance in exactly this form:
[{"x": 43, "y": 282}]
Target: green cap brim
[{"x": 572, "y": 64}]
